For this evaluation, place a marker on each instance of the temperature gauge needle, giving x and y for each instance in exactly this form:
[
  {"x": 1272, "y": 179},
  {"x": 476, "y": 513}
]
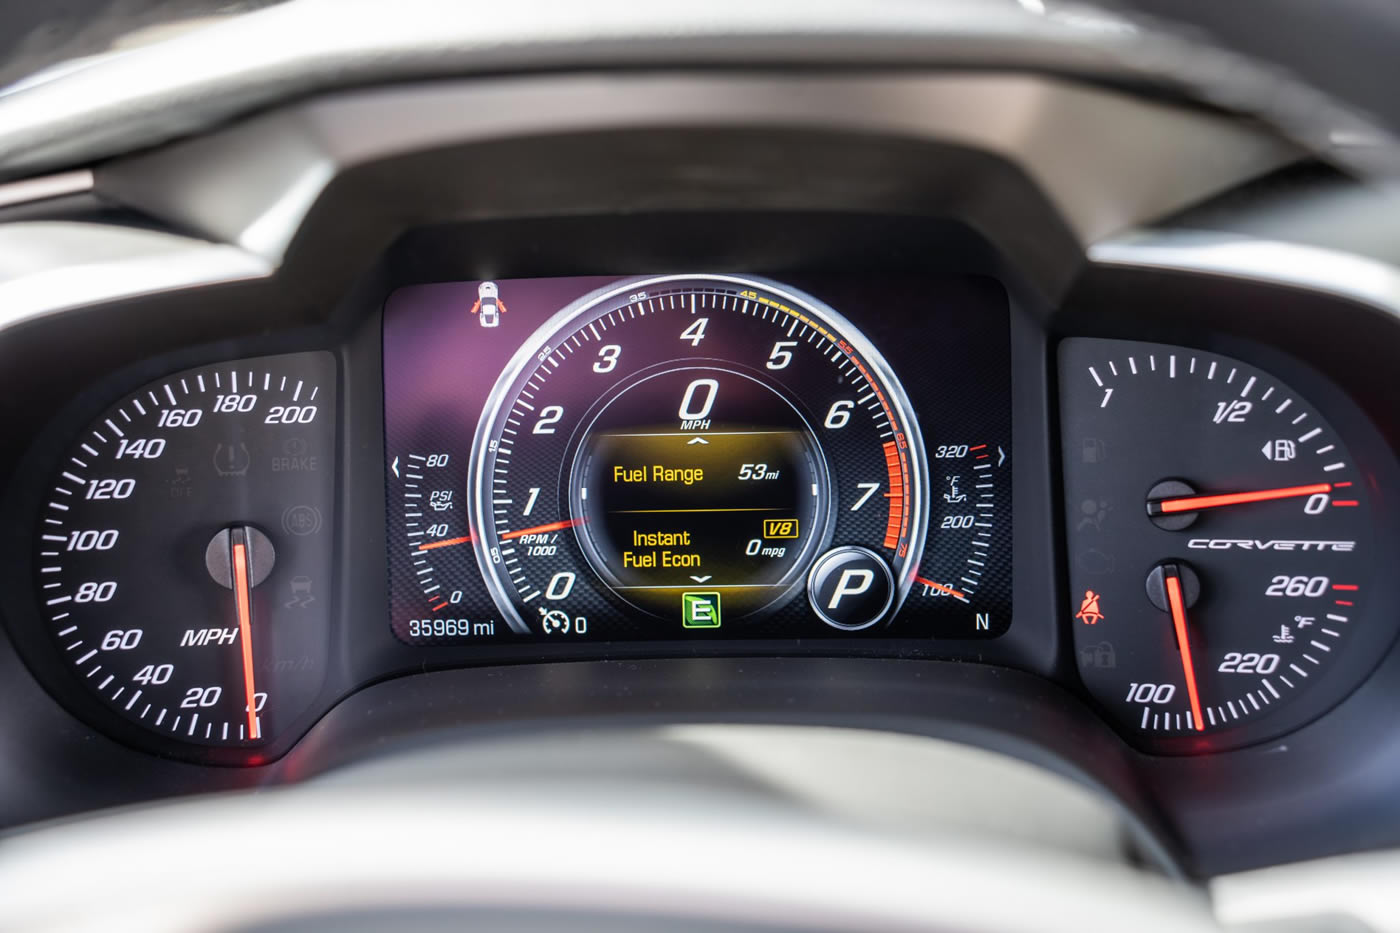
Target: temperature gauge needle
[
  {"x": 243, "y": 599},
  {"x": 1172, "y": 579},
  {"x": 1157, "y": 507},
  {"x": 941, "y": 587}
]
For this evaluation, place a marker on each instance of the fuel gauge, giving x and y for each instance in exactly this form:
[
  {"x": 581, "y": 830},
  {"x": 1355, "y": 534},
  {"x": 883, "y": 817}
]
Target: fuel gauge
[{"x": 1222, "y": 544}]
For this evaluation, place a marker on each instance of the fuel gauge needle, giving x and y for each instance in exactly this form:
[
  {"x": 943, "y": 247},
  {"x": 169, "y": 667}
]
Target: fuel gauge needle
[
  {"x": 1156, "y": 507},
  {"x": 243, "y": 599},
  {"x": 1178, "y": 608}
]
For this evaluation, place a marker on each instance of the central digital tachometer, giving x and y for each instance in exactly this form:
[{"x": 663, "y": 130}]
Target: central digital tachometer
[{"x": 717, "y": 452}]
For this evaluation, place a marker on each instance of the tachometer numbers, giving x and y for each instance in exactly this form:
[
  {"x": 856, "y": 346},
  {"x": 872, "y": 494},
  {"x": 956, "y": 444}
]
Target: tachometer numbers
[{"x": 673, "y": 457}]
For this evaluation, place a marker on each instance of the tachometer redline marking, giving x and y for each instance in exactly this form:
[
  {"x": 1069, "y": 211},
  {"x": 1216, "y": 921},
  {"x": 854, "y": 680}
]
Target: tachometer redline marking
[{"x": 894, "y": 465}]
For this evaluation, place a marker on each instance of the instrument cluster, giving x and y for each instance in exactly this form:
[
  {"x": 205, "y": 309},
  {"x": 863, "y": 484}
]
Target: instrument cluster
[{"x": 593, "y": 467}]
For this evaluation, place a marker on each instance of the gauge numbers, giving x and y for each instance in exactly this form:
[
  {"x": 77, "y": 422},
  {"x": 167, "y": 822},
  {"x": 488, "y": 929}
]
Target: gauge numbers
[
  {"x": 1221, "y": 538},
  {"x": 686, "y": 447},
  {"x": 182, "y": 558}
]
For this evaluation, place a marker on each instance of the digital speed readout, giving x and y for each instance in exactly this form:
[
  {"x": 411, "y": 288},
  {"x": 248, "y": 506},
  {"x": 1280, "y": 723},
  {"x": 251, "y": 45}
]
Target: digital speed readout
[{"x": 695, "y": 456}]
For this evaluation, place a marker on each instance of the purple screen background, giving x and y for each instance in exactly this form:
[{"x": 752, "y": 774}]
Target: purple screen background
[{"x": 440, "y": 365}]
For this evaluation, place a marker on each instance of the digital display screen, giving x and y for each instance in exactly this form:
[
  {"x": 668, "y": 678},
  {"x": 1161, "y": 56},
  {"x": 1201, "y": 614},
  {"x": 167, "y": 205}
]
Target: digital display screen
[{"x": 698, "y": 456}]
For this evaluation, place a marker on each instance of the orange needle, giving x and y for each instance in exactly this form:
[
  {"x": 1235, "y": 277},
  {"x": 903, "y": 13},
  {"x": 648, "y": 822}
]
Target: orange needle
[
  {"x": 1196, "y": 503},
  {"x": 447, "y": 542},
  {"x": 941, "y": 588},
  {"x": 1178, "y": 607},
  {"x": 242, "y": 593},
  {"x": 542, "y": 529},
  {"x": 509, "y": 535}
]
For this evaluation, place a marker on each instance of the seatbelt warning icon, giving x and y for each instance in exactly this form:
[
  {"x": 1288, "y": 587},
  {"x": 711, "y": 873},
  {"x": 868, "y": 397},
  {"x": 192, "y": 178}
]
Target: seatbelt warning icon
[{"x": 1089, "y": 609}]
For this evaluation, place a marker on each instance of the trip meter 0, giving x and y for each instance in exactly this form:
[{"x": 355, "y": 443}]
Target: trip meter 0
[{"x": 1223, "y": 547}]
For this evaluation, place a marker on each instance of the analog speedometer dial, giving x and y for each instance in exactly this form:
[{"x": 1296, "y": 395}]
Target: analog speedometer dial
[
  {"x": 691, "y": 453},
  {"x": 182, "y": 556}
]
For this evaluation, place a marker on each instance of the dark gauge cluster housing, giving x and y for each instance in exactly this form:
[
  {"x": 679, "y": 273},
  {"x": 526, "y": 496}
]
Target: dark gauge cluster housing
[{"x": 293, "y": 232}]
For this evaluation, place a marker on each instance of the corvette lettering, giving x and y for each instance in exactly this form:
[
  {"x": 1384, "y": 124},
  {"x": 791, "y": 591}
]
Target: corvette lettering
[{"x": 1272, "y": 544}]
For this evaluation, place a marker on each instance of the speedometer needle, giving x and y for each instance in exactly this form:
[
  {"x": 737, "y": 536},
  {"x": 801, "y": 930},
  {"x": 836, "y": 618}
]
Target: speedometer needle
[
  {"x": 243, "y": 599},
  {"x": 1157, "y": 507},
  {"x": 1172, "y": 579}
]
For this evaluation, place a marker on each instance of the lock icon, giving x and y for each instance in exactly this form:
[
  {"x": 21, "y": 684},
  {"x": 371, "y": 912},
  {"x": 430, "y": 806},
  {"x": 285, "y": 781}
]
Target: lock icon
[{"x": 1101, "y": 655}]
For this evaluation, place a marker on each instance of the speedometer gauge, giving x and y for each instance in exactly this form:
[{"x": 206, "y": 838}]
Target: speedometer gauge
[
  {"x": 697, "y": 453},
  {"x": 1223, "y": 547},
  {"x": 182, "y": 555}
]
